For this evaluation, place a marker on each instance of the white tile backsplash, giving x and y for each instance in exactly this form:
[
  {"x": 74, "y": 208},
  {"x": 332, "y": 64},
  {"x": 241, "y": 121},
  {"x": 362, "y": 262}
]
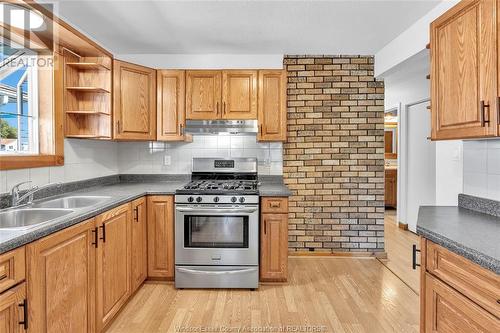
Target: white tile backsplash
[
  {"x": 149, "y": 157},
  {"x": 86, "y": 159},
  {"x": 482, "y": 168}
]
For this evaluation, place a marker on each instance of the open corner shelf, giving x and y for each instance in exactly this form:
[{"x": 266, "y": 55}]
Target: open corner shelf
[
  {"x": 87, "y": 65},
  {"x": 88, "y": 112},
  {"x": 88, "y": 89}
]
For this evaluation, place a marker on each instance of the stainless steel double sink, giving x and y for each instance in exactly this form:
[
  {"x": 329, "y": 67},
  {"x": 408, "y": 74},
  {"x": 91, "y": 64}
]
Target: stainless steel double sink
[{"x": 30, "y": 216}]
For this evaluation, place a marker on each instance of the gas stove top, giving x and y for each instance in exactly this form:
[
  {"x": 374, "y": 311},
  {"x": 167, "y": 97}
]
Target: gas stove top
[
  {"x": 219, "y": 176},
  {"x": 214, "y": 186}
]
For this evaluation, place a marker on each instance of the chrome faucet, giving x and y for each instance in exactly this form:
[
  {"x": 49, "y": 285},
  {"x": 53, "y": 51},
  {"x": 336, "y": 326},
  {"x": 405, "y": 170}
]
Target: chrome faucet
[{"x": 16, "y": 199}]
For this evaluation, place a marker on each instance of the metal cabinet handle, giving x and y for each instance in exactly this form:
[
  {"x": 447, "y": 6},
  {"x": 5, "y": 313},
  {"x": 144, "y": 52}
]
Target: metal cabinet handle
[
  {"x": 414, "y": 257},
  {"x": 275, "y": 204},
  {"x": 498, "y": 110},
  {"x": 265, "y": 227},
  {"x": 136, "y": 214},
  {"x": 181, "y": 129},
  {"x": 217, "y": 108},
  {"x": 483, "y": 106},
  {"x": 96, "y": 237},
  {"x": 224, "y": 106},
  {"x": 103, "y": 238},
  {"x": 24, "y": 305}
]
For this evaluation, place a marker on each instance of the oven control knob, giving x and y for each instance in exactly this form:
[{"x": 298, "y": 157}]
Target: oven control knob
[
  {"x": 216, "y": 199},
  {"x": 198, "y": 199},
  {"x": 242, "y": 200},
  {"x": 233, "y": 199},
  {"x": 190, "y": 199}
]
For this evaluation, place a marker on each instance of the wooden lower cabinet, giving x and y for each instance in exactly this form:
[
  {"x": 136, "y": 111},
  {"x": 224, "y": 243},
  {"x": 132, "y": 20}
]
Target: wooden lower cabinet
[
  {"x": 12, "y": 268},
  {"x": 139, "y": 245},
  {"x": 161, "y": 237},
  {"x": 274, "y": 246},
  {"x": 12, "y": 316},
  {"x": 61, "y": 280},
  {"x": 456, "y": 295},
  {"x": 113, "y": 263},
  {"x": 447, "y": 310},
  {"x": 391, "y": 188}
]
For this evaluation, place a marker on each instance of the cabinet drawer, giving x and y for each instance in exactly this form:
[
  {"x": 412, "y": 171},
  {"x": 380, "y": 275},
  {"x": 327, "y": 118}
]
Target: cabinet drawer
[
  {"x": 446, "y": 310},
  {"x": 12, "y": 268},
  {"x": 480, "y": 285},
  {"x": 274, "y": 205}
]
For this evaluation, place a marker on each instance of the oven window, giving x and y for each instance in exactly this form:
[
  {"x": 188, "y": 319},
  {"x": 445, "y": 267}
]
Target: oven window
[{"x": 216, "y": 231}]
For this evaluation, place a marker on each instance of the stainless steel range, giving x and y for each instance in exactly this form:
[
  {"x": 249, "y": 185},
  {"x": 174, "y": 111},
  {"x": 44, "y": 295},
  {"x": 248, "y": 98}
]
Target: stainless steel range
[{"x": 217, "y": 225}]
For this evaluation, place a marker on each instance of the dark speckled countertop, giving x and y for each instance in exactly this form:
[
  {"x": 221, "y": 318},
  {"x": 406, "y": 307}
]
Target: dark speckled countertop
[
  {"x": 120, "y": 190},
  {"x": 471, "y": 234}
]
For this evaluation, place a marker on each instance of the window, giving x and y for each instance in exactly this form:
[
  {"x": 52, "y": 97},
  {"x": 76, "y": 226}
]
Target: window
[
  {"x": 18, "y": 101},
  {"x": 31, "y": 77}
]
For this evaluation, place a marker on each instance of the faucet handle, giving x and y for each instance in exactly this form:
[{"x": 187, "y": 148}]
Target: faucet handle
[{"x": 16, "y": 187}]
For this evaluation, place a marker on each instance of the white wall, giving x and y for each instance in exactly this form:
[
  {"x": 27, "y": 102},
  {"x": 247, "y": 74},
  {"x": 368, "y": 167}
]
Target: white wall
[
  {"x": 412, "y": 41},
  {"x": 406, "y": 84},
  {"x": 84, "y": 159},
  {"x": 206, "y": 61},
  {"x": 481, "y": 169},
  {"x": 147, "y": 157}
]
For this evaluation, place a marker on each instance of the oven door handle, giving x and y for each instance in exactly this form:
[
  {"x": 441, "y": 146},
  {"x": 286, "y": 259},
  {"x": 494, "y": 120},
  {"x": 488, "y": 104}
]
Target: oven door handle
[
  {"x": 233, "y": 271},
  {"x": 216, "y": 210}
]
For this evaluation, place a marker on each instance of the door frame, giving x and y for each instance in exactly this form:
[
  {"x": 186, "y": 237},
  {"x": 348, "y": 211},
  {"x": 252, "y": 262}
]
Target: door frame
[{"x": 402, "y": 206}]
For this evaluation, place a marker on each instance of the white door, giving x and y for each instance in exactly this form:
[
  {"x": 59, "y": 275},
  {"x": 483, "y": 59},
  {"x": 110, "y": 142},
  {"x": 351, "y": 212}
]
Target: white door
[{"x": 420, "y": 164}]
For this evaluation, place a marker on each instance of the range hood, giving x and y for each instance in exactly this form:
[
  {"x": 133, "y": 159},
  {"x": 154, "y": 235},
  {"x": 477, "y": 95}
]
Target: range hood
[{"x": 241, "y": 127}]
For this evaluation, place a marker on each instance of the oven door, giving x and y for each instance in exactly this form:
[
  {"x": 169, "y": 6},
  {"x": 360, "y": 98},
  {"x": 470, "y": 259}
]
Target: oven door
[{"x": 215, "y": 235}]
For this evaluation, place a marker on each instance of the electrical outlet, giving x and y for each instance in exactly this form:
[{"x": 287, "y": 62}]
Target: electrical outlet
[{"x": 167, "y": 160}]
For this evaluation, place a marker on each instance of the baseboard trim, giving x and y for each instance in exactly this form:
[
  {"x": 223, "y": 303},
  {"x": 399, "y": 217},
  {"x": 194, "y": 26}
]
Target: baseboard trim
[
  {"x": 403, "y": 226},
  {"x": 379, "y": 255}
]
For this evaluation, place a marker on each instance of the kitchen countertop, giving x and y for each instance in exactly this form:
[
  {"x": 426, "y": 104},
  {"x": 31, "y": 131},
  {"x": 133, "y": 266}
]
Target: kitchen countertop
[
  {"x": 473, "y": 235},
  {"x": 120, "y": 193}
]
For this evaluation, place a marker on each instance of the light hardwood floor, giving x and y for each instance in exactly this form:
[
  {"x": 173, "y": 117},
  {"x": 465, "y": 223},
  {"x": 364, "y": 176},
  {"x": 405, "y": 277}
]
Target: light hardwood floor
[
  {"x": 398, "y": 245},
  {"x": 332, "y": 294}
]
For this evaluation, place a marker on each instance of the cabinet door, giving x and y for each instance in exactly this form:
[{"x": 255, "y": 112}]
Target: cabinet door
[
  {"x": 113, "y": 263},
  {"x": 391, "y": 188},
  {"x": 139, "y": 243},
  {"x": 464, "y": 71},
  {"x": 239, "y": 94},
  {"x": 134, "y": 102},
  {"x": 61, "y": 280},
  {"x": 447, "y": 311},
  {"x": 11, "y": 310},
  {"x": 161, "y": 237},
  {"x": 274, "y": 247},
  {"x": 203, "y": 94},
  {"x": 171, "y": 96},
  {"x": 272, "y": 105}
]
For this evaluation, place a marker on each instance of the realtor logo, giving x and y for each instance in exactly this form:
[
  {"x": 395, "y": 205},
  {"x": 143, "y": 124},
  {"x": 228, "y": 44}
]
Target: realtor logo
[{"x": 25, "y": 31}]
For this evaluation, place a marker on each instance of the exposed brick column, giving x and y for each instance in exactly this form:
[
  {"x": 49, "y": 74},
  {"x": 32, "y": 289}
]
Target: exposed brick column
[{"x": 334, "y": 157}]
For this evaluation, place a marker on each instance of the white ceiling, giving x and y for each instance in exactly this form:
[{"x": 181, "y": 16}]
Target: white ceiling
[{"x": 243, "y": 27}]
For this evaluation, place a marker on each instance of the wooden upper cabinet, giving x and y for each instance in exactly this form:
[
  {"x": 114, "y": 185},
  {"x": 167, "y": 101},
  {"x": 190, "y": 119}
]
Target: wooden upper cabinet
[
  {"x": 134, "y": 102},
  {"x": 203, "y": 94},
  {"x": 161, "y": 236},
  {"x": 139, "y": 271},
  {"x": 272, "y": 105},
  {"x": 61, "y": 280},
  {"x": 171, "y": 98},
  {"x": 464, "y": 72},
  {"x": 112, "y": 263},
  {"x": 239, "y": 94}
]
